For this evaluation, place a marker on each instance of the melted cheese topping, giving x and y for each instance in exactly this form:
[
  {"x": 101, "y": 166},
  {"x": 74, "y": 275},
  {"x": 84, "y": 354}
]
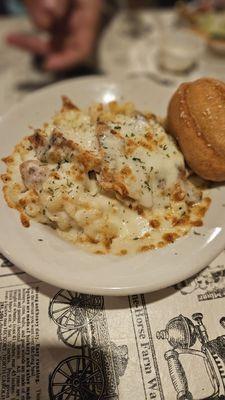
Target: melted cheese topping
[
  {"x": 109, "y": 179},
  {"x": 76, "y": 126},
  {"x": 142, "y": 157}
]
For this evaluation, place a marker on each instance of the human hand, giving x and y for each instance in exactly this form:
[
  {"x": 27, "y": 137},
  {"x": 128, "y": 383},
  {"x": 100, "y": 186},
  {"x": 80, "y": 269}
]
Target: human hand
[{"x": 72, "y": 27}]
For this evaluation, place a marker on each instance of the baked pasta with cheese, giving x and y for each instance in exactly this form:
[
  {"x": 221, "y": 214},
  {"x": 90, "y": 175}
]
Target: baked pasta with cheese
[{"x": 109, "y": 179}]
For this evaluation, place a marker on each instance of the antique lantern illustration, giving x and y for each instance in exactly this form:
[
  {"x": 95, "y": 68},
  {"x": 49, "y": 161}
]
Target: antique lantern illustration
[{"x": 195, "y": 374}]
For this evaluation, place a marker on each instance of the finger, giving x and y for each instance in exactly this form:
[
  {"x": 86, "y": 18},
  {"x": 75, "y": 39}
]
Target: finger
[
  {"x": 64, "y": 60},
  {"x": 30, "y": 43},
  {"x": 39, "y": 14},
  {"x": 57, "y": 8},
  {"x": 43, "y": 20},
  {"x": 75, "y": 50},
  {"x": 47, "y": 12}
]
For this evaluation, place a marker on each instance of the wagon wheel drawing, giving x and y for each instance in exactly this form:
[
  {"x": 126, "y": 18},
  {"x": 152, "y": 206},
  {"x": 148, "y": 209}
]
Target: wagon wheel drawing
[
  {"x": 76, "y": 378},
  {"x": 74, "y": 337},
  {"x": 70, "y": 309}
]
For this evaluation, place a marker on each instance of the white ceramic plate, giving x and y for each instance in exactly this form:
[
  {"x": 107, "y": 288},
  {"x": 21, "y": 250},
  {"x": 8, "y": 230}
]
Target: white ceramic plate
[{"x": 64, "y": 265}]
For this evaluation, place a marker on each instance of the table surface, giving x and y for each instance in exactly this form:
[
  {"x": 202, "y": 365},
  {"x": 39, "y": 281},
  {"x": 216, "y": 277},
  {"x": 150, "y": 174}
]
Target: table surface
[{"x": 18, "y": 76}]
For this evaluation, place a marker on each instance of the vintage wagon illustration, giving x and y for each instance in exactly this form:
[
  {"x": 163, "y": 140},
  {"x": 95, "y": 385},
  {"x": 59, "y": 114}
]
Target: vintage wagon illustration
[
  {"x": 193, "y": 351},
  {"x": 94, "y": 370}
]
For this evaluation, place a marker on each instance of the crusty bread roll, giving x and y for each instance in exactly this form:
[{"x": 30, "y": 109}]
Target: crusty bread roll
[{"x": 196, "y": 118}]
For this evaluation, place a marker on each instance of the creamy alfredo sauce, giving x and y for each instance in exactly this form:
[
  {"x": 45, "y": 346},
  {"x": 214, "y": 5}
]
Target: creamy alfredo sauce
[{"x": 117, "y": 185}]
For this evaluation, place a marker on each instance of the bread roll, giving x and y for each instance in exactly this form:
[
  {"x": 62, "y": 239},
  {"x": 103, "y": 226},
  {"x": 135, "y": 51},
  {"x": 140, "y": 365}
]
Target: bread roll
[{"x": 196, "y": 118}]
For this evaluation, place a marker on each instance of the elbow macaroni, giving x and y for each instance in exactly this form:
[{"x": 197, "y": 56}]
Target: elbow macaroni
[{"x": 108, "y": 179}]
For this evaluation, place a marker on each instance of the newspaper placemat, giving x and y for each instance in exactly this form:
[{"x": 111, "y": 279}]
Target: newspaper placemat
[{"x": 58, "y": 344}]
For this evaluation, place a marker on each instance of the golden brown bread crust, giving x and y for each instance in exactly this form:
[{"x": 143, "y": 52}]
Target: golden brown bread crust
[{"x": 196, "y": 118}]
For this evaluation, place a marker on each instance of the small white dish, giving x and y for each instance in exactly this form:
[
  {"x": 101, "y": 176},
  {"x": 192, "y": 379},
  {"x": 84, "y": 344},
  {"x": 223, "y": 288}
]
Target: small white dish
[
  {"x": 63, "y": 264},
  {"x": 179, "y": 50}
]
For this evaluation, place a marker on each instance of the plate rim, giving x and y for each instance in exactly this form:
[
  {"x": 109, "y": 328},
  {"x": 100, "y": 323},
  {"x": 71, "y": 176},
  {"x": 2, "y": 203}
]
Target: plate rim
[
  {"x": 113, "y": 291},
  {"x": 217, "y": 247}
]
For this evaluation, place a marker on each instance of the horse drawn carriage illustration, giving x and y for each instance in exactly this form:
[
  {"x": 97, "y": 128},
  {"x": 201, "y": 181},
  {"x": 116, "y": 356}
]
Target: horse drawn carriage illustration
[
  {"x": 196, "y": 364},
  {"x": 94, "y": 370}
]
